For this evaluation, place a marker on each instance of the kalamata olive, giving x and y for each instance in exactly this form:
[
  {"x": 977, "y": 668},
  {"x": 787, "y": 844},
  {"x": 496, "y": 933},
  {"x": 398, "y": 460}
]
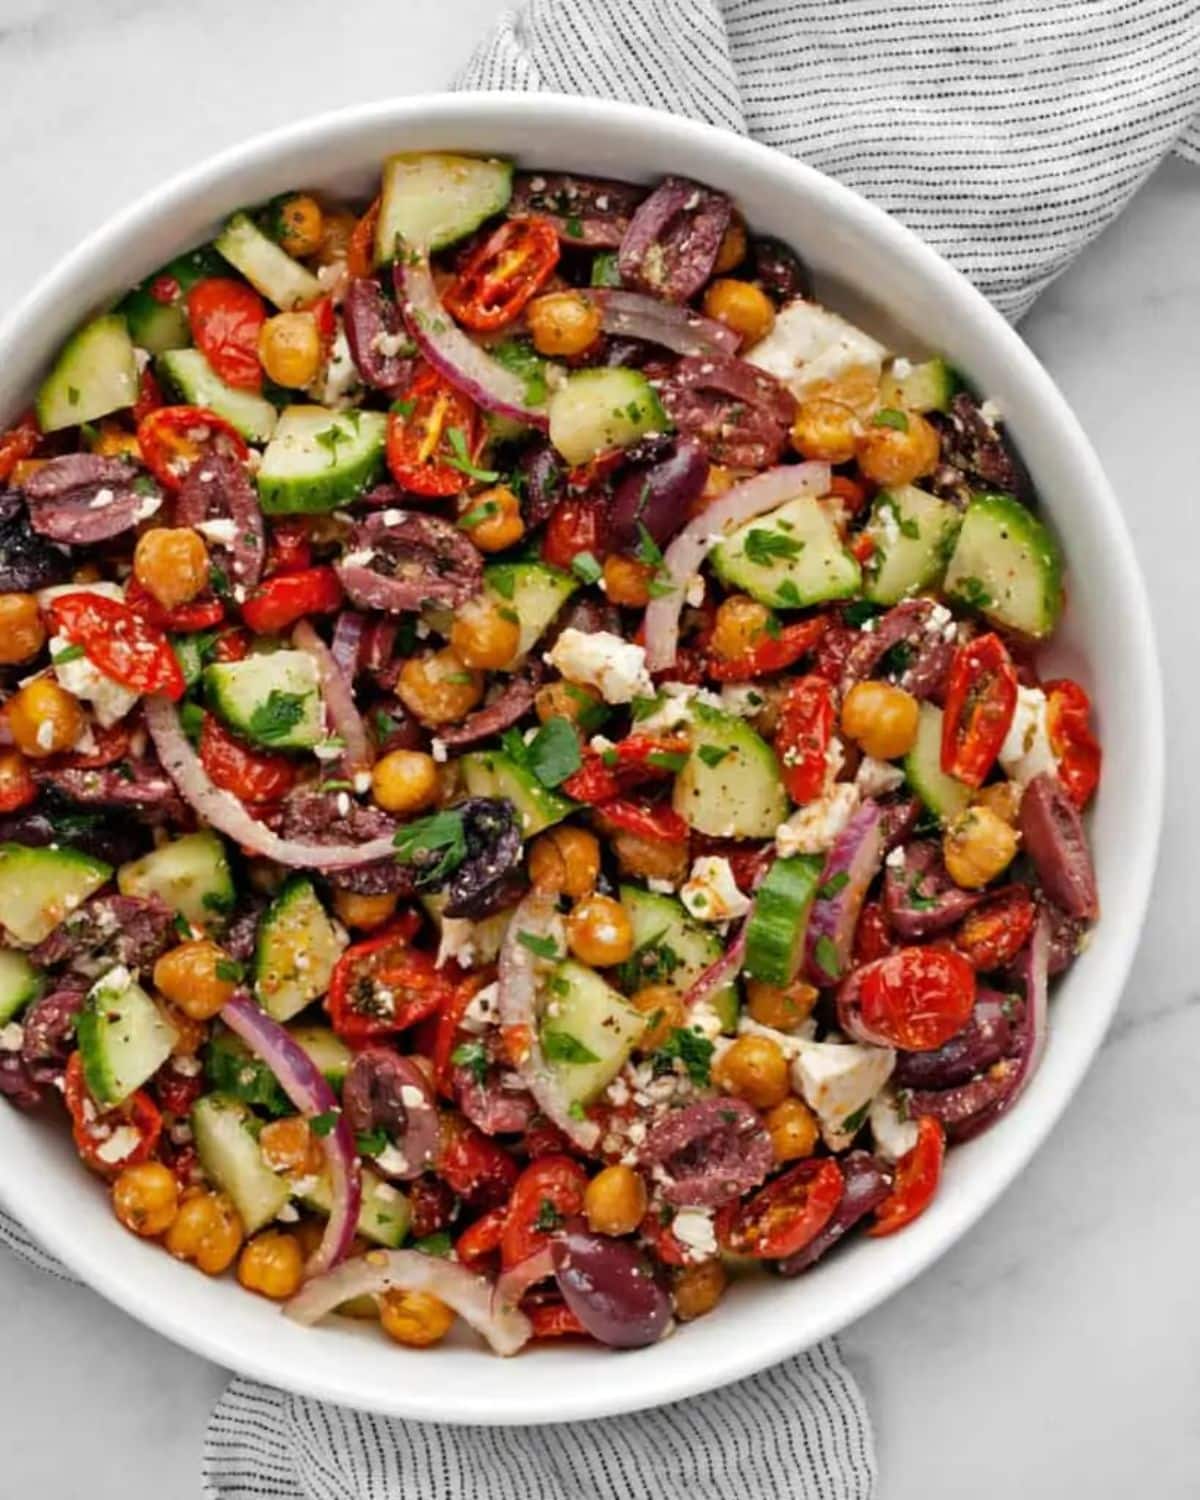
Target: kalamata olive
[
  {"x": 487, "y": 879},
  {"x": 977, "y": 447},
  {"x": 80, "y": 498},
  {"x": 610, "y": 1288},
  {"x": 103, "y": 834},
  {"x": 967, "y": 1108},
  {"x": 673, "y": 238},
  {"x": 984, "y": 1040},
  {"x": 867, "y": 1184},
  {"x": 919, "y": 896},
  {"x": 48, "y": 1033},
  {"x": 545, "y": 481},
  {"x": 656, "y": 496},
  {"x": 27, "y": 561},
  {"x": 778, "y": 269},
  {"x": 709, "y": 1153},
  {"x": 1054, "y": 838},
  {"x": 384, "y": 1091}
]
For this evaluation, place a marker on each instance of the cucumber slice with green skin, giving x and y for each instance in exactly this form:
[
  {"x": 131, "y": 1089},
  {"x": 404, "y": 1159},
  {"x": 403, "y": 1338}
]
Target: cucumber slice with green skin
[
  {"x": 123, "y": 1037},
  {"x": 156, "y": 325},
  {"x": 487, "y": 934},
  {"x": 1007, "y": 565},
  {"x": 385, "y": 1213},
  {"x": 231, "y": 1068},
  {"x": 187, "y": 373},
  {"x": 273, "y": 700},
  {"x": 191, "y": 874},
  {"x": 535, "y": 592},
  {"x": 914, "y": 534},
  {"x": 587, "y": 1032},
  {"x": 40, "y": 887},
  {"x": 94, "y": 374},
  {"x": 491, "y": 773},
  {"x": 297, "y": 949},
  {"x": 267, "y": 268},
  {"x": 737, "y": 794},
  {"x": 20, "y": 983},
  {"x": 318, "y": 459},
  {"x": 789, "y": 559},
  {"x": 671, "y": 947},
  {"x": 595, "y": 410},
  {"x": 943, "y": 795},
  {"x": 927, "y": 387},
  {"x": 779, "y": 919},
  {"x": 327, "y": 1050},
  {"x": 227, "y": 1144},
  {"x": 433, "y": 198}
]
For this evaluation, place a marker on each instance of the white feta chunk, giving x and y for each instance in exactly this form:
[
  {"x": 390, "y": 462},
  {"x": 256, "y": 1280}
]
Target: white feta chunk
[
  {"x": 812, "y": 829},
  {"x": 11, "y": 1037},
  {"x": 693, "y": 1228},
  {"x": 614, "y": 667},
  {"x": 838, "y": 1080},
  {"x": 1026, "y": 750},
  {"x": 457, "y": 942},
  {"x": 483, "y": 1009},
  {"x": 711, "y": 893},
  {"x": 892, "y": 1131},
  {"x": 221, "y": 529},
  {"x": 124, "y": 1140},
  {"x": 742, "y": 699},
  {"x": 340, "y": 381},
  {"x": 110, "y": 701},
  {"x": 391, "y": 1160},
  {"x": 875, "y": 778},
  {"x": 809, "y": 344}
]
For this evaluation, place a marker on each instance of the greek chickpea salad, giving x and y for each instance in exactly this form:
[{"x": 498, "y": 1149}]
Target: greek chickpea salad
[{"x": 525, "y": 784}]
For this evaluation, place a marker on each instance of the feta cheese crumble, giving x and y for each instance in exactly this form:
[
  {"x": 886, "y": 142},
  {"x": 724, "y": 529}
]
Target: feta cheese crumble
[
  {"x": 110, "y": 701},
  {"x": 812, "y": 829},
  {"x": 601, "y": 660},
  {"x": 693, "y": 1228},
  {"x": 1026, "y": 750},
  {"x": 838, "y": 1080},
  {"x": 711, "y": 893}
]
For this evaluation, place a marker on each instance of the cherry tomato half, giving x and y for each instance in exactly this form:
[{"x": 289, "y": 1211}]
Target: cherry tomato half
[
  {"x": 172, "y": 438},
  {"x": 772, "y": 653},
  {"x": 280, "y": 601},
  {"x": 917, "y": 998},
  {"x": 432, "y": 428},
  {"x": 784, "y": 1216},
  {"x": 803, "y": 736},
  {"x": 120, "y": 643},
  {"x": 92, "y": 1127},
  {"x": 981, "y": 697},
  {"x": 251, "y": 775},
  {"x": 872, "y": 936},
  {"x": 578, "y": 524},
  {"x": 503, "y": 274},
  {"x": 289, "y": 549},
  {"x": 150, "y": 396},
  {"x": 474, "y": 1165},
  {"x": 548, "y": 1191},
  {"x": 1068, "y": 711},
  {"x": 360, "y": 249},
  {"x": 17, "y": 444},
  {"x": 475, "y": 1244},
  {"x": 200, "y": 614},
  {"x": 226, "y": 317},
  {"x": 553, "y": 1320},
  {"x": 661, "y": 1241},
  {"x": 636, "y": 758},
  {"x": 993, "y": 934},
  {"x": 384, "y": 985},
  {"x": 918, "y": 1173},
  {"x": 649, "y": 820}
]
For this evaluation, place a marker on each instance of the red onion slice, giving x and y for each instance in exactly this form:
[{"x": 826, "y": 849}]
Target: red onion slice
[
  {"x": 516, "y": 1280},
  {"x": 724, "y": 971},
  {"x": 852, "y": 863},
  {"x": 634, "y": 315},
  {"x": 689, "y": 549},
  {"x": 338, "y": 692},
  {"x": 347, "y": 642}
]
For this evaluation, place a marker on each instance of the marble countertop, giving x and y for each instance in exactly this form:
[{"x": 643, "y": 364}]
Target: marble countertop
[{"x": 1053, "y": 1350}]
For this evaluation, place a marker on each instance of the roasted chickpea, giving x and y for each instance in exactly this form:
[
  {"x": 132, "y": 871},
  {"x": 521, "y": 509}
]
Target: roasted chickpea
[
  {"x": 405, "y": 781},
  {"x": 563, "y": 323},
  {"x": 17, "y": 787},
  {"x": 272, "y": 1265},
  {"x": 417, "y": 1319},
  {"x": 895, "y": 455},
  {"x": 754, "y": 1069},
  {"x": 793, "y": 1129},
  {"x": 300, "y": 224},
  {"x": 742, "y": 306},
  {"x": 364, "y": 912},
  {"x": 486, "y": 634},
  {"x": 565, "y": 861},
  {"x": 336, "y": 228},
  {"x": 22, "y": 634},
  {"x": 439, "y": 687},
  {"x": 627, "y": 581},
  {"x": 207, "y": 1230},
  {"x": 697, "y": 1289},
  {"x": 826, "y": 430},
  {"x": 565, "y": 700},
  {"x": 146, "y": 1198},
  {"x": 977, "y": 846},
  {"x": 650, "y": 859},
  {"x": 190, "y": 1034},
  {"x": 782, "y": 1007},
  {"x": 289, "y": 1145},
  {"x": 171, "y": 562},
  {"x": 615, "y": 1200},
  {"x": 663, "y": 1008},
  {"x": 1001, "y": 797},
  {"x": 732, "y": 250},
  {"x": 197, "y": 976},
  {"x": 492, "y": 519},
  {"x": 44, "y": 718},
  {"x": 289, "y": 349},
  {"x": 599, "y": 931},
  {"x": 857, "y": 387},
  {"x": 111, "y": 440},
  {"x": 881, "y": 719},
  {"x": 739, "y": 626}
]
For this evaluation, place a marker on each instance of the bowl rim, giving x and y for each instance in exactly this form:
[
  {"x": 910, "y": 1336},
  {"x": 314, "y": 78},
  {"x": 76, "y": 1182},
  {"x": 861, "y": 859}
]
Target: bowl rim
[{"x": 473, "y": 112}]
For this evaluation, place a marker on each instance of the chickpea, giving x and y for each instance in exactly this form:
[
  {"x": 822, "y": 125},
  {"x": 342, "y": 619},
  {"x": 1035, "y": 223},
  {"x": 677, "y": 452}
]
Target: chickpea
[
  {"x": 627, "y": 581},
  {"x": 977, "y": 846},
  {"x": 439, "y": 687},
  {"x": 486, "y": 634},
  {"x": 17, "y": 787},
  {"x": 405, "y": 781},
  {"x": 190, "y": 1034},
  {"x": 289, "y": 1145},
  {"x": 782, "y": 1007},
  {"x": 336, "y": 229},
  {"x": 793, "y": 1129},
  {"x": 697, "y": 1289},
  {"x": 565, "y": 700},
  {"x": 417, "y": 1319},
  {"x": 146, "y": 1198},
  {"x": 207, "y": 1230},
  {"x": 171, "y": 562},
  {"x": 742, "y": 306},
  {"x": 197, "y": 976},
  {"x": 754, "y": 1068},
  {"x": 615, "y": 1200},
  {"x": 891, "y": 455},
  {"x": 301, "y": 224},
  {"x": 599, "y": 932},
  {"x": 565, "y": 861},
  {"x": 826, "y": 430},
  {"x": 718, "y": 481},
  {"x": 739, "y": 626},
  {"x": 272, "y": 1265},
  {"x": 44, "y": 718},
  {"x": 732, "y": 250},
  {"x": 494, "y": 519},
  {"x": 114, "y": 441},
  {"x": 364, "y": 912},
  {"x": 22, "y": 633},
  {"x": 563, "y": 323},
  {"x": 651, "y": 859},
  {"x": 289, "y": 349},
  {"x": 1001, "y": 797},
  {"x": 881, "y": 719},
  {"x": 663, "y": 1008},
  {"x": 857, "y": 387}
]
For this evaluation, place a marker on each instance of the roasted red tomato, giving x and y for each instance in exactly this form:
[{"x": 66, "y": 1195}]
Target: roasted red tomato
[
  {"x": 993, "y": 934},
  {"x": 251, "y": 775},
  {"x": 917, "y": 998},
  {"x": 981, "y": 697},
  {"x": 1068, "y": 712},
  {"x": 473, "y": 1164},
  {"x": 231, "y": 645},
  {"x": 433, "y": 431},
  {"x": 449, "y": 1024},
  {"x": 553, "y": 1320},
  {"x": 384, "y": 985},
  {"x": 360, "y": 249},
  {"x": 872, "y": 936},
  {"x": 661, "y": 1240},
  {"x": 482, "y": 1239},
  {"x": 503, "y": 274},
  {"x": 226, "y": 317},
  {"x": 803, "y": 736},
  {"x": 288, "y": 597},
  {"x": 150, "y": 396},
  {"x": 120, "y": 643},
  {"x": 772, "y": 653},
  {"x": 548, "y": 1191},
  {"x": 784, "y": 1216},
  {"x": 638, "y": 757},
  {"x": 200, "y": 614},
  {"x": 917, "y": 1176},
  {"x": 18, "y": 443},
  {"x": 649, "y": 820},
  {"x": 172, "y": 438},
  {"x": 578, "y": 524},
  {"x": 94, "y": 1128},
  {"x": 289, "y": 549}
]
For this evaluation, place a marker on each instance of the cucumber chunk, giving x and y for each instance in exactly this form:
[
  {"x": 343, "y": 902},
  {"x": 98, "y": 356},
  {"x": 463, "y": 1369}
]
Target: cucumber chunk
[
  {"x": 671, "y": 947},
  {"x": 227, "y": 1145},
  {"x": 20, "y": 983},
  {"x": 588, "y": 1031},
  {"x": 491, "y": 773},
  {"x": 385, "y": 1213},
  {"x": 191, "y": 874},
  {"x": 297, "y": 948},
  {"x": 156, "y": 324},
  {"x": 594, "y": 410},
  {"x": 326, "y": 1049},
  {"x": 188, "y": 373},
  {"x": 790, "y": 558},
  {"x": 779, "y": 919},
  {"x": 944, "y": 796},
  {"x": 267, "y": 268},
  {"x": 318, "y": 459},
  {"x": 430, "y": 199},
  {"x": 124, "y": 1038},
  {"x": 94, "y": 374},
  {"x": 535, "y": 592},
  {"x": 738, "y": 794},
  {"x": 914, "y": 534},
  {"x": 40, "y": 887},
  {"x": 927, "y": 387},
  {"x": 1007, "y": 565},
  {"x": 272, "y": 699}
]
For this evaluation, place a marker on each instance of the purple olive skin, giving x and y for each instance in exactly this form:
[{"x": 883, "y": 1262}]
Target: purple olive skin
[
  {"x": 1054, "y": 838},
  {"x": 657, "y": 496},
  {"x": 868, "y": 1183},
  {"x": 984, "y": 1040},
  {"x": 611, "y": 1289}
]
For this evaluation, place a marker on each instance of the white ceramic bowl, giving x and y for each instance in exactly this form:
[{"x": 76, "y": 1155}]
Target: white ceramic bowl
[{"x": 870, "y": 266}]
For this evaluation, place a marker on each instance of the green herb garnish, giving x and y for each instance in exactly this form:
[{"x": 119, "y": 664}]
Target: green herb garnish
[
  {"x": 437, "y": 845},
  {"x": 692, "y": 1049}
]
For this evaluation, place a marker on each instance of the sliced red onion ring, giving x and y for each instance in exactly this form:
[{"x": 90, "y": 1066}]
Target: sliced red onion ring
[
  {"x": 725, "y": 970},
  {"x": 338, "y": 692},
  {"x": 689, "y": 549},
  {"x": 516, "y": 1280},
  {"x": 451, "y": 352},
  {"x": 309, "y": 1091},
  {"x": 506, "y": 1328},
  {"x": 634, "y": 315},
  {"x": 347, "y": 641},
  {"x": 853, "y": 861}
]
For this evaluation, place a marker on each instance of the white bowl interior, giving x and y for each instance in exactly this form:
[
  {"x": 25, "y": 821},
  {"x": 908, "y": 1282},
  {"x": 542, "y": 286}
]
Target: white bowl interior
[{"x": 871, "y": 267}]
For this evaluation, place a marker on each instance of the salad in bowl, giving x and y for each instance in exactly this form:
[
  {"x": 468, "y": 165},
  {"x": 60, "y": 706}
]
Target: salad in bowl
[{"x": 526, "y": 786}]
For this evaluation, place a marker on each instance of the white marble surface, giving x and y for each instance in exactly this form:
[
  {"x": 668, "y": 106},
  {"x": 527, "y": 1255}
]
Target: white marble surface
[{"x": 1054, "y": 1351}]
